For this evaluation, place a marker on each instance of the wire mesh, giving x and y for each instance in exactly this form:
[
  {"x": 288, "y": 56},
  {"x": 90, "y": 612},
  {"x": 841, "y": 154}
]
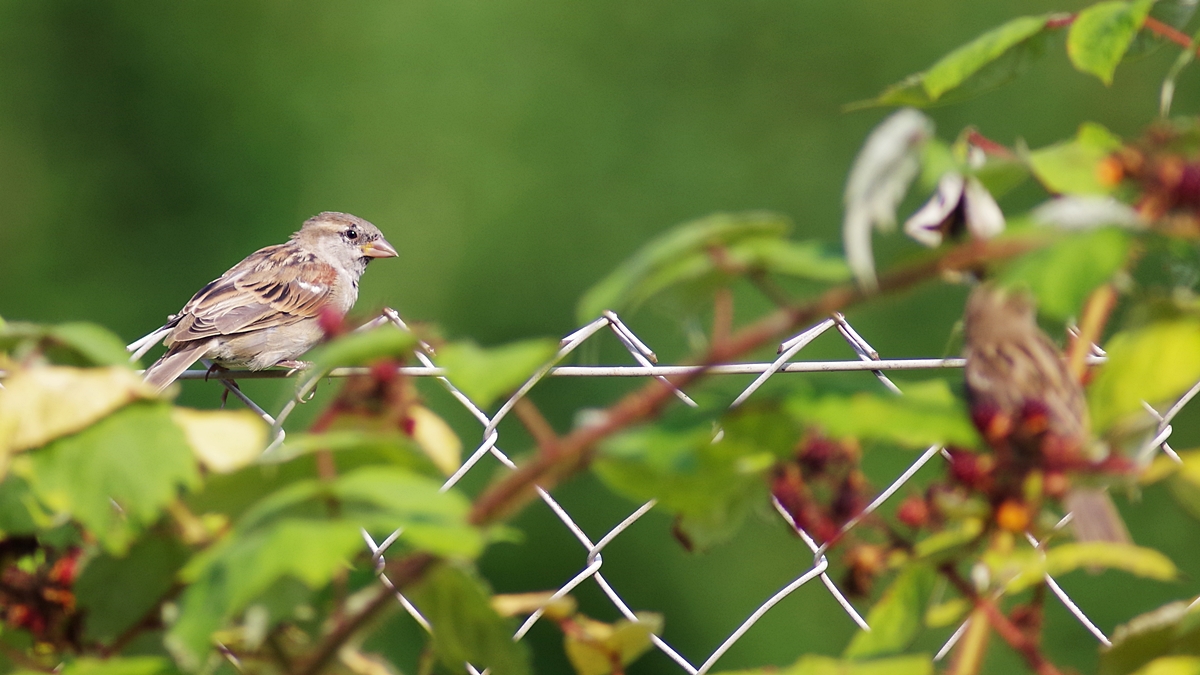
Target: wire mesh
[{"x": 867, "y": 359}]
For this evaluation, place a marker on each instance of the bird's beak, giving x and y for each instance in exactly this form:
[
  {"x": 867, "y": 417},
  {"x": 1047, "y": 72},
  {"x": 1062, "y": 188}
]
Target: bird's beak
[{"x": 378, "y": 249}]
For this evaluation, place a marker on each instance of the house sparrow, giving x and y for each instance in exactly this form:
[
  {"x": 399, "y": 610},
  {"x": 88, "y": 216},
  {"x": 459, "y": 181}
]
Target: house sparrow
[
  {"x": 1028, "y": 407},
  {"x": 266, "y": 310}
]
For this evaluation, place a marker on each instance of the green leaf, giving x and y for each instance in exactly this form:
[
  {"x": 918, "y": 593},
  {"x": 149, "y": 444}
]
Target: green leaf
[
  {"x": 72, "y": 344},
  {"x": 42, "y": 403},
  {"x": 1001, "y": 175},
  {"x": 390, "y": 446},
  {"x": 1071, "y": 167},
  {"x": 361, "y": 348},
  {"x": 954, "y": 68},
  {"x": 1168, "y": 630},
  {"x": 1136, "y": 560},
  {"x": 1153, "y": 363},
  {"x": 486, "y": 374},
  {"x": 989, "y": 61},
  {"x": 116, "y": 476},
  {"x": 1062, "y": 275},
  {"x": 813, "y": 664},
  {"x": 384, "y": 498},
  {"x": 116, "y": 592},
  {"x": 1101, "y": 34},
  {"x": 133, "y": 665},
  {"x": 710, "y": 486},
  {"x": 1171, "y": 665},
  {"x": 467, "y": 628},
  {"x": 928, "y": 413},
  {"x": 228, "y": 576},
  {"x": 378, "y": 498},
  {"x": 959, "y": 533},
  {"x": 897, "y": 617},
  {"x": 17, "y": 507},
  {"x": 799, "y": 259},
  {"x": 706, "y": 252}
]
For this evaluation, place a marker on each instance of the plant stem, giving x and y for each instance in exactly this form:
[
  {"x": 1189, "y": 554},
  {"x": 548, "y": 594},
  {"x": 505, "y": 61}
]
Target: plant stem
[
  {"x": 968, "y": 657},
  {"x": 1006, "y": 629},
  {"x": 513, "y": 491},
  {"x": 1096, "y": 311},
  {"x": 402, "y": 572}
]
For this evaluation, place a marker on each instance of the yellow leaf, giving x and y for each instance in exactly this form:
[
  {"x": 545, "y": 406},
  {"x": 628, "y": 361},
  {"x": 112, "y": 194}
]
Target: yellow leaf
[
  {"x": 223, "y": 440},
  {"x": 436, "y": 439},
  {"x": 522, "y": 604},
  {"x": 42, "y": 403},
  {"x": 595, "y": 647}
]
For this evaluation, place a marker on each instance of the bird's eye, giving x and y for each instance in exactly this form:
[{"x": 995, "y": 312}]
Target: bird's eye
[{"x": 352, "y": 234}]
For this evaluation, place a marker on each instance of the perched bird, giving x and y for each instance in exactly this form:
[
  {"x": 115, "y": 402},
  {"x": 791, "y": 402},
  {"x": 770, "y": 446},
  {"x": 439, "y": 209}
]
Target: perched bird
[
  {"x": 266, "y": 310},
  {"x": 1027, "y": 405}
]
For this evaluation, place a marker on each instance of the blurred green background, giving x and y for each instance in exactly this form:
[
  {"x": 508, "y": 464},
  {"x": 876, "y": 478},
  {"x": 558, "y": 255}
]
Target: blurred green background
[{"x": 514, "y": 151}]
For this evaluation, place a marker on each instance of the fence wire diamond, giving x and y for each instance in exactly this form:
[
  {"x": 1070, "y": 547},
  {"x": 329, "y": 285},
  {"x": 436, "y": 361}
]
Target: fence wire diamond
[{"x": 593, "y": 561}]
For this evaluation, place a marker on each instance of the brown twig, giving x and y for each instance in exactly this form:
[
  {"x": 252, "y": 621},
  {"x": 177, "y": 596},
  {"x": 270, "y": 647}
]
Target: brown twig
[
  {"x": 537, "y": 426},
  {"x": 573, "y": 451},
  {"x": 150, "y": 620},
  {"x": 1006, "y": 629},
  {"x": 516, "y": 488},
  {"x": 1169, "y": 32},
  {"x": 24, "y": 661},
  {"x": 1096, "y": 310},
  {"x": 402, "y": 573},
  {"x": 722, "y": 315}
]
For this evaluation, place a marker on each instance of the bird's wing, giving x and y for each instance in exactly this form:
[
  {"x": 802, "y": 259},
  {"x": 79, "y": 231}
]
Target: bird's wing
[{"x": 275, "y": 286}]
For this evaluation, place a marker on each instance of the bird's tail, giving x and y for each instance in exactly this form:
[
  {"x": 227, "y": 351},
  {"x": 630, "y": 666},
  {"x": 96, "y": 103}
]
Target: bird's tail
[{"x": 177, "y": 359}]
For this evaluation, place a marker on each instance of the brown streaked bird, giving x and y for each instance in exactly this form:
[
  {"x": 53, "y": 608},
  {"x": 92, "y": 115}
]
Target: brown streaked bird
[
  {"x": 1013, "y": 368},
  {"x": 266, "y": 310}
]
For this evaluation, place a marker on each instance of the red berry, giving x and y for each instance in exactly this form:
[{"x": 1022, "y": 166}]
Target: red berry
[{"x": 913, "y": 512}]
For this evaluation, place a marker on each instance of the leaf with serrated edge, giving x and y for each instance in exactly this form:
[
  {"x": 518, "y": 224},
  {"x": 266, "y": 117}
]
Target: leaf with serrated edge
[
  {"x": 681, "y": 252},
  {"x": 1170, "y": 629},
  {"x": 486, "y": 374},
  {"x": 813, "y": 664},
  {"x": 1062, "y": 275},
  {"x": 224, "y": 579},
  {"x": 223, "y": 440},
  {"x": 130, "y": 665},
  {"x": 1153, "y": 363},
  {"x": 42, "y": 403},
  {"x": 954, "y": 68},
  {"x": 1101, "y": 34},
  {"x": 436, "y": 439},
  {"x": 360, "y": 348},
  {"x": 594, "y": 647},
  {"x": 1136, "y": 560},
  {"x": 135, "y": 459},
  {"x": 1070, "y": 167},
  {"x": 897, "y": 617},
  {"x": 929, "y": 413},
  {"x": 455, "y": 600}
]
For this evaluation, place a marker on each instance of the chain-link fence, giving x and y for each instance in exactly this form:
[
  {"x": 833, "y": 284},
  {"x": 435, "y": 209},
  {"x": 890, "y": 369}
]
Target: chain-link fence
[{"x": 593, "y": 561}]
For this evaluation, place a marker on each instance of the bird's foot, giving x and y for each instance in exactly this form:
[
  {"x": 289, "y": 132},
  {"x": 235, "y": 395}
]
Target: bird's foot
[{"x": 294, "y": 366}]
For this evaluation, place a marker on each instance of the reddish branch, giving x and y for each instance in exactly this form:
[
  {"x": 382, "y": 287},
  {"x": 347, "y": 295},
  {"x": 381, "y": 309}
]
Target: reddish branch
[
  {"x": 575, "y": 449},
  {"x": 572, "y": 453},
  {"x": 1023, "y": 644},
  {"x": 402, "y": 573}
]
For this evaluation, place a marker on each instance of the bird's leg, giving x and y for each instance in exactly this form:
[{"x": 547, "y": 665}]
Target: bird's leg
[{"x": 214, "y": 368}]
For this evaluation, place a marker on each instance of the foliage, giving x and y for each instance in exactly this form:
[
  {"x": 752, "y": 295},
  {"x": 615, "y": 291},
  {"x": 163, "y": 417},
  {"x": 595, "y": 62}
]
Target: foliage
[{"x": 139, "y": 536}]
